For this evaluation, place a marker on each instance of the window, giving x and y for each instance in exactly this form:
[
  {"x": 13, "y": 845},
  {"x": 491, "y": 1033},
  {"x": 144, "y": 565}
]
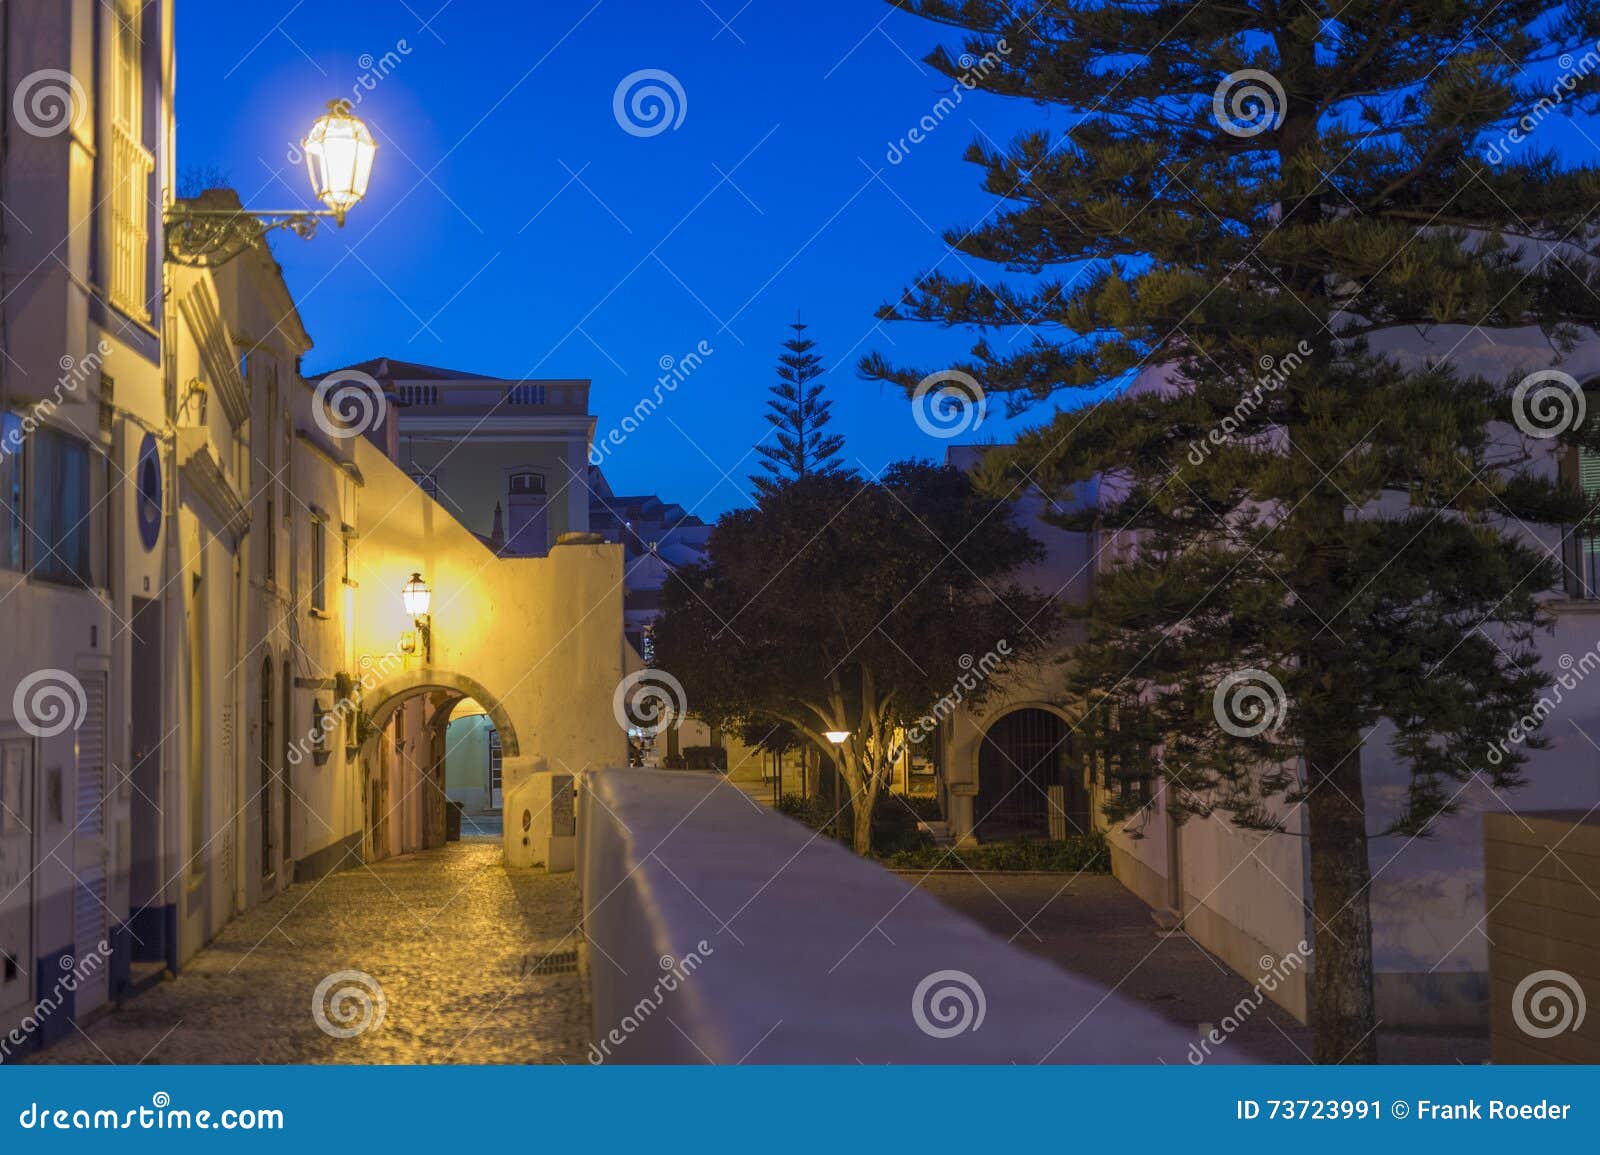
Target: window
[
  {"x": 427, "y": 482},
  {"x": 11, "y": 491},
  {"x": 131, "y": 165},
  {"x": 270, "y": 535},
  {"x": 1580, "y": 550},
  {"x": 527, "y": 481},
  {"x": 61, "y": 508},
  {"x": 269, "y": 486},
  {"x": 319, "y": 565}
]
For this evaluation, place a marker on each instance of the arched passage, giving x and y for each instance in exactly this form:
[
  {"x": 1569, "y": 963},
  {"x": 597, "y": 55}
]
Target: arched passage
[
  {"x": 404, "y": 799},
  {"x": 1027, "y": 769},
  {"x": 386, "y": 697}
]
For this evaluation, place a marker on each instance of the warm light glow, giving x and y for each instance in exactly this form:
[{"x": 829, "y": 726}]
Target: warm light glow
[
  {"x": 837, "y": 737},
  {"x": 339, "y": 152},
  {"x": 418, "y": 596}
]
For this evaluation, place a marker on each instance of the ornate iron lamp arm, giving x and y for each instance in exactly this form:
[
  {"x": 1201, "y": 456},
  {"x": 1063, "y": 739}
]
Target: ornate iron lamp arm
[{"x": 207, "y": 238}]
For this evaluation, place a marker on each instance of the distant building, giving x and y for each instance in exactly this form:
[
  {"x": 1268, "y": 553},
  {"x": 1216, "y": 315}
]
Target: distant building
[
  {"x": 529, "y": 449},
  {"x": 656, "y": 537}
]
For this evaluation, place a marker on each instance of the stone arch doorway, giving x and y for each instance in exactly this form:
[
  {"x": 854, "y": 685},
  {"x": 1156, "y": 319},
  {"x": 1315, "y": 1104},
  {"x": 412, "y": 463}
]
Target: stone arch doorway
[
  {"x": 404, "y": 795},
  {"x": 383, "y": 699},
  {"x": 1030, "y": 780}
]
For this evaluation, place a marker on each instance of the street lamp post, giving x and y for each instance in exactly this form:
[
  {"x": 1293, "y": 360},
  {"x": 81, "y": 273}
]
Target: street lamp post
[
  {"x": 836, "y": 738},
  {"x": 338, "y": 151}
]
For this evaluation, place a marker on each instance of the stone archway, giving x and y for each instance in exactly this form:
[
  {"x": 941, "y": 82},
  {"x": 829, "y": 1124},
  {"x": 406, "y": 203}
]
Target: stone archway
[
  {"x": 1029, "y": 780},
  {"x": 404, "y": 796},
  {"x": 390, "y": 693}
]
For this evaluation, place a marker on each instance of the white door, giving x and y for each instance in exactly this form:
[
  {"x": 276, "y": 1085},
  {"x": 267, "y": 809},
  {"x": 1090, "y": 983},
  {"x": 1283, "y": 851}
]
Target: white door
[
  {"x": 496, "y": 793},
  {"x": 16, "y": 878},
  {"x": 91, "y": 925}
]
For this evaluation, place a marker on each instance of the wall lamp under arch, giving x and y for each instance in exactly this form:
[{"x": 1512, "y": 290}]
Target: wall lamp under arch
[{"x": 418, "y": 598}]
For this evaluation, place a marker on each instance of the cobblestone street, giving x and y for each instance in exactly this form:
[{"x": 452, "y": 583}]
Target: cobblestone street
[{"x": 450, "y": 935}]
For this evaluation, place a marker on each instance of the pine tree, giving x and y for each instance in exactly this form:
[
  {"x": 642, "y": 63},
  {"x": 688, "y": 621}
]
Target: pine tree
[
  {"x": 799, "y": 416},
  {"x": 1242, "y": 196}
]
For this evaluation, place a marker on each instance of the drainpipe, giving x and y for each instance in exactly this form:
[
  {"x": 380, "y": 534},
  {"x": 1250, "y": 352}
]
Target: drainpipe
[{"x": 5, "y": 172}]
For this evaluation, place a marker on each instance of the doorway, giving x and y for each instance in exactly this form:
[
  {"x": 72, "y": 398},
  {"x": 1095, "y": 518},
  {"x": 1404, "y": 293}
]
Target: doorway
[
  {"x": 150, "y": 931},
  {"x": 1028, "y": 781},
  {"x": 16, "y": 875},
  {"x": 266, "y": 756}
]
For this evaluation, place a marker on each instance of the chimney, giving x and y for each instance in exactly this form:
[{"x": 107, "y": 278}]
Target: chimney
[{"x": 527, "y": 510}]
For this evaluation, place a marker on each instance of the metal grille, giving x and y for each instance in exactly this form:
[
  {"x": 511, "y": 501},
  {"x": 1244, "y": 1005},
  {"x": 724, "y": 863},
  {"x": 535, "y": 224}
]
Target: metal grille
[
  {"x": 561, "y": 963},
  {"x": 1026, "y": 759},
  {"x": 91, "y": 818}
]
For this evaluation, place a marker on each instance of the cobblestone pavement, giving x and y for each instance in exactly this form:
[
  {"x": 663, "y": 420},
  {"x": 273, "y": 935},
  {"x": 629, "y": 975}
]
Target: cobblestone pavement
[
  {"x": 1092, "y": 926},
  {"x": 448, "y": 934}
]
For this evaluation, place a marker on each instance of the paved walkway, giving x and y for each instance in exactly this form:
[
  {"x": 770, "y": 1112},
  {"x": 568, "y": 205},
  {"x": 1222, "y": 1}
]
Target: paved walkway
[
  {"x": 448, "y": 935},
  {"x": 1093, "y": 926}
]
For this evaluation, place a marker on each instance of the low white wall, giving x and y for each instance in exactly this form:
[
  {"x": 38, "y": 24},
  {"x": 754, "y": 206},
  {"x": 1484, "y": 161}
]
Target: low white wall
[{"x": 720, "y": 931}]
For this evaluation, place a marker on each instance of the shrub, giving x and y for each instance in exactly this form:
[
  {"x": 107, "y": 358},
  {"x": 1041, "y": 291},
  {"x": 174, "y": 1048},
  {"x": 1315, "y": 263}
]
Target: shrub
[
  {"x": 705, "y": 758},
  {"x": 1085, "y": 853}
]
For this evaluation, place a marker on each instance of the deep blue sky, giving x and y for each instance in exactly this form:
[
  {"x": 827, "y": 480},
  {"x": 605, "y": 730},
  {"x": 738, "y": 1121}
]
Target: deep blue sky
[{"x": 478, "y": 247}]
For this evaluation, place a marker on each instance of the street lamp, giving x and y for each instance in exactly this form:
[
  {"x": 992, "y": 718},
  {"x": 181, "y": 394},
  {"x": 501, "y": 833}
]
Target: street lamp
[
  {"x": 837, "y": 737},
  {"x": 418, "y": 596},
  {"x": 339, "y": 151},
  {"x": 214, "y": 228}
]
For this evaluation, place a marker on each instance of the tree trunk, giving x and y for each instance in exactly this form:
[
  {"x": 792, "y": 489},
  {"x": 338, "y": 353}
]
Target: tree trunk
[
  {"x": 861, "y": 805},
  {"x": 1343, "y": 1015}
]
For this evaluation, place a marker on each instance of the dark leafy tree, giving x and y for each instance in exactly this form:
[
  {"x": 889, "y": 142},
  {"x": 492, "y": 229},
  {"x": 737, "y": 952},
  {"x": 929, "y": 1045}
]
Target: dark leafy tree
[
  {"x": 1255, "y": 198},
  {"x": 799, "y": 415},
  {"x": 845, "y": 604}
]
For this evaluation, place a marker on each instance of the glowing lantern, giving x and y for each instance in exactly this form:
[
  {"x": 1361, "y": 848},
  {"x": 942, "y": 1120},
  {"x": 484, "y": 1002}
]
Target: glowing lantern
[{"x": 339, "y": 152}]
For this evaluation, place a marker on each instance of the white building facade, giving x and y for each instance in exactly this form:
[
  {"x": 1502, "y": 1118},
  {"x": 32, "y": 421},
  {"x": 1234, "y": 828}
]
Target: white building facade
[
  {"x": 1243, "y": 894},
  {"x": 210, "y": 685}
]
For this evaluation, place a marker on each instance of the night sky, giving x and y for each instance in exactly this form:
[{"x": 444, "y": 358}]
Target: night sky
[{"x": 515, "y": 229}]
